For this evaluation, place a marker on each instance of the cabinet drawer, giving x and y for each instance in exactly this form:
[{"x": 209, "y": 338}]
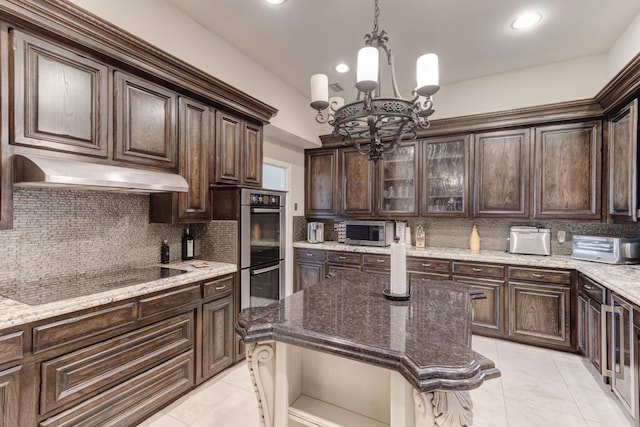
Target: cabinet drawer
[
  {"x": 382, "y": 261},
  {"x": 540, "y": 275},
  {"x": 132, "y": 400},
  {"x": 344, "y": 258},
  {"x": 593, "y": 290},
  {"x": 218, "y": 287},
  {"x": 82, "y": 327},
  {"x": 310, "y": 254},
  {"x": 485, "y": 270},
  {"x": 11, "y": 347},
  {"x": 169, "y": 301},
  {"x": 83, "y": 372},
  {"x": 428, "y": 265}
]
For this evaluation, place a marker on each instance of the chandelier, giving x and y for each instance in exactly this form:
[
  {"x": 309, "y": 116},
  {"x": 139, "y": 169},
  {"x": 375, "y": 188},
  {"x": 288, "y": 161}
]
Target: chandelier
[{"x": 375, "y": 124}]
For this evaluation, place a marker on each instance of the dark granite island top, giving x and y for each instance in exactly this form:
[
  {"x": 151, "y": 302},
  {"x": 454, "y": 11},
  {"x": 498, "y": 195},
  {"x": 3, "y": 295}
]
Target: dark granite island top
[{"x": 426, "y": 339}]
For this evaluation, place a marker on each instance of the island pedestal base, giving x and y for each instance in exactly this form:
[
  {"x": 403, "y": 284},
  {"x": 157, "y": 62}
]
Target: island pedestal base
[{"x": 298, "y": 386}]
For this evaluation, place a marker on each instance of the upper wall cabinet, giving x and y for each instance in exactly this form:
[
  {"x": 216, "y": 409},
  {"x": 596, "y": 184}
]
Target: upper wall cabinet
[
  {"x": 357, "y": 186},
  {"x": 60, "y": 98},
  {"x": 145, "y": 125},
  {"x": 623, "y": 163},
  {"x": 501, "y": 185},
  {"x": 321, "y": 183},
  {"x": 445, "y": 177},
  {"x": 568, "y": 171},
  {"x": 398, "y": 181},
  {"x": 238, "y": 159}
]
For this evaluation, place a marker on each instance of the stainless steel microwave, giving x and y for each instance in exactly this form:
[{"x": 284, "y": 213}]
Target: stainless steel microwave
[{"x": 369, "y": 233}]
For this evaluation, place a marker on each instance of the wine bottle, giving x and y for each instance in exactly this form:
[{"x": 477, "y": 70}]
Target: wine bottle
[
  {"x": 187, "y": 245},
  {"x": 164, "y": 252}
]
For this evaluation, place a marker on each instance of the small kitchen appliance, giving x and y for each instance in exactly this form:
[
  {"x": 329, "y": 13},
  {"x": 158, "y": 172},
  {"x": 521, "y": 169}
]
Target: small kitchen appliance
[
  {"x": 608, "y": 250},
  {"x": 370, "y": 233},
  {"x": 315, "y": 232},
  {"x": 529, "y": 240}
]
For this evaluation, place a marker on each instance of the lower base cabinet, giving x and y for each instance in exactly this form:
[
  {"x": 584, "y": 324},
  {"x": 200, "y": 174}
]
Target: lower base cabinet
[
  {"x": 10, "y": 397},
  {"x": 487, "y": 312},
  {"x": 218, "y": 337}
]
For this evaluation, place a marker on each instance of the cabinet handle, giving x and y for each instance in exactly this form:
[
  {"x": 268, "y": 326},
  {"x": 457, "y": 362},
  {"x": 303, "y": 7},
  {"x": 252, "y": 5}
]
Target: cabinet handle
[
  {"x": 426, "y": 265},
  {"x": 588, "y": 287},
  {"x": 309, "y": 254},
  {"x": 476, "y": 269},
  {"x": 221, "y": 287},
  {"x": 380, "y": 260},
  {"x": 342, "y": 257},
  {"x": 537, "y": 276}
]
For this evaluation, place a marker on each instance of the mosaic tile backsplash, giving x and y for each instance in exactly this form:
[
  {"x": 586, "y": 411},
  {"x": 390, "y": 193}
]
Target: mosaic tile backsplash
[{"x": 62, "y": 233}]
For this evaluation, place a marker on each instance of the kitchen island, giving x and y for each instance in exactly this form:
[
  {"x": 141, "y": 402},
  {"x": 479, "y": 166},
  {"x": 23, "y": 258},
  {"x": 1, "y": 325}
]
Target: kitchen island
[{"x": 340, "y": 353}]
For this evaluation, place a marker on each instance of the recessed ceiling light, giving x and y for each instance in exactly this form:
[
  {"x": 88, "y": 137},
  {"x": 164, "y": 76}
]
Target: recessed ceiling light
[
  {"x": 275, "y": 1},
  {"x": 526, "y": 20},
  {"x": 342, "y": 68}
]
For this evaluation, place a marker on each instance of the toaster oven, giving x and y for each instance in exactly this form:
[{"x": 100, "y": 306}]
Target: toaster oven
[{"x": 609, "y": 250}]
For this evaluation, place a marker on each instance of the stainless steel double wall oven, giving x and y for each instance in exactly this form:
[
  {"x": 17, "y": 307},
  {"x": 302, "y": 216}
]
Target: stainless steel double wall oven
[{"x": 262, "y": 247}]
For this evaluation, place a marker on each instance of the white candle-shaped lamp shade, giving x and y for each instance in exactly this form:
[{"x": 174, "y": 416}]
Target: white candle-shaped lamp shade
[
  {"x": 336, "y": 102},
  {"x": 427, "y": 74},
  {"x": 367, "y": 72},
  {"x": 319, "y": 91},
  {"x": 398, "y": 269}
]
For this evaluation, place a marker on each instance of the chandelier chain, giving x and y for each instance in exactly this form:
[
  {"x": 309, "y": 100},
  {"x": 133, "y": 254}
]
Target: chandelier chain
[{"x": 375, "y": 17}]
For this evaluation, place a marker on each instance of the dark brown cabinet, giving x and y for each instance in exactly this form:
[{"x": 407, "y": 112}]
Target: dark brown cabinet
[
  {"x": 218, "y": 336},
  {"x": 321, "y": 183},
  {"x": 195, "y": 146},
  {"x": 539, "y": 306},
  {"x": 622, "y": 141},
  {"x": 502, "y": 174},
  {"x": 445, "y": 176},
  {"x": 10, "y": 397},
  {"x": 419, "y": 269},
  {"x": 568, "y": 171},
  {"x": 238, "y": 159},
  {"x": 356, "y": 182},
  {"x": 343, "y": 261},
  {"x": 398, "y": 174},
  {"x": 145, "y": 122},
  {"x": 308, "y": 268},
  {"x": 60, "y": 98},
  {"x": 591, "y": 297},
  {"x": 488, "y": 313}
]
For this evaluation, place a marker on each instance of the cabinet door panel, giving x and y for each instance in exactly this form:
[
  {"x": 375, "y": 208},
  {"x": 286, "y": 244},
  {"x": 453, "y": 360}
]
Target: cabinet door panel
[
  {"x": 307, "y": 274},
  {"x": 61, "y": 99},
  {"x": 228, "y": 135},
  {"x": 357, "y": 184},
  {"x": 321, "y": 183},
  {"x": 398, "y": 183},
  {"x": 623, "y": 146},
  {"x": 218, "y": 336},
  {"x": 252, "y": 170},
  {"x": 487, "y": 312},
  {"x": 146, "y": 116},
  {"x": 540, "y": 313},
  {"x": 502, "y": 174},
  {"x": 594, "y": 336},
  {"x": 10, "y": 397},
  {"x": 195, "y": 143},
  {"x": 567, "y": 172}
]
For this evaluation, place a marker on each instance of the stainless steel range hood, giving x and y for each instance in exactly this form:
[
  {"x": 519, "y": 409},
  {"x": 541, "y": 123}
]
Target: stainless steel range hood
[{"x": 39, "y": 171}]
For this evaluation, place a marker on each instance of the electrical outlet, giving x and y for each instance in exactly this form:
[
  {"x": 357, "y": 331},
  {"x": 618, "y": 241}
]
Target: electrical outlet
[
  {"x": 562, "y": 236},
  {"x": 335, "y": 226}
]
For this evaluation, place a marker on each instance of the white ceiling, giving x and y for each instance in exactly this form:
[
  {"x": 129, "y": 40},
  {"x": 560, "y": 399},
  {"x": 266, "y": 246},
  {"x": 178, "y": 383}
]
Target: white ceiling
[{"x": 472, "y": 38}]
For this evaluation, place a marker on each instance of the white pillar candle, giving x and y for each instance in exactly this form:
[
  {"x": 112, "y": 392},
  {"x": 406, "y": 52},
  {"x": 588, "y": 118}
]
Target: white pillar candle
[
  {"x": 367, "y": 71},
  {"x": 398, "y": 269},
  {"x": 427, "y": 74},
  {"x": 319, "y": 89}
]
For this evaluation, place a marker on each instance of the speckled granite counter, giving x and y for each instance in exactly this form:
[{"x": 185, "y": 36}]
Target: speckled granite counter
[
  {"x": 622, "y": 279},
  {"x": 14, "y": 313}
]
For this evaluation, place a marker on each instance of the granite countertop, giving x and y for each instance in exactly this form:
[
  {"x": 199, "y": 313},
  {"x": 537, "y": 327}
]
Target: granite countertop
[
  {"x": 622, "y": 279},
  {"x": 15, "y": 313},
  {"x": 427, "y": 338}
]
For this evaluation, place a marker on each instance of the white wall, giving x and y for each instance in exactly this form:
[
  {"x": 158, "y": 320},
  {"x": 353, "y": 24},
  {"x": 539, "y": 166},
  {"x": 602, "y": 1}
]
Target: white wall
[{"x": 625, "y": 48}]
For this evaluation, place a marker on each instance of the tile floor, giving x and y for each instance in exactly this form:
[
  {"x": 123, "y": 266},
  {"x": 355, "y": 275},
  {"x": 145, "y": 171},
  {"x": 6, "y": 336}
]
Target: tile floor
[{"x": 538, "y": 388}]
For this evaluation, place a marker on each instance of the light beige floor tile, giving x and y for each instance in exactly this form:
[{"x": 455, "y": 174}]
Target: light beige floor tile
[
  {"x": 188, "y": 410},
  {"x": 162, "y": 420},
  {"x": 212, "y": 393},
  {"x": 520, "y": 414},
  {"x": 488, "y": 409},
  {"x": 240, "y": 409},
  {"x": 579, "y": 373},
  {"x": 239, "y": 376},
  {"x": 599, "y": 407}
]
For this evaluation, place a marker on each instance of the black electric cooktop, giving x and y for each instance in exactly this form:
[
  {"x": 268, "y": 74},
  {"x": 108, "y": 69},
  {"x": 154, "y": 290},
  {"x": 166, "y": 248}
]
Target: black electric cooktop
[{"x": 47, "y": 291}]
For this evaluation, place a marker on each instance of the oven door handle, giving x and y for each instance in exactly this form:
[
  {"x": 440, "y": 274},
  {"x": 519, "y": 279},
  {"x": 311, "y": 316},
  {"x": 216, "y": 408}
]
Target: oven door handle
[
  {"x": 265, "y": 210},
  {"x": 265, "y": 270}
]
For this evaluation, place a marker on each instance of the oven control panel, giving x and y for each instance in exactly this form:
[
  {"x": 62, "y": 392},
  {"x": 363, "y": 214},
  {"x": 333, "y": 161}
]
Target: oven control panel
[{"x": 258, "y": 199}]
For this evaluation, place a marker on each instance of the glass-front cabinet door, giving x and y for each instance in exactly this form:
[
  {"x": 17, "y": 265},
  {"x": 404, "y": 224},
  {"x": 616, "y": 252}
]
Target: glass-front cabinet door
[
  {"x": 398, "y": 189},
  {"x": 445, "y": 176}
]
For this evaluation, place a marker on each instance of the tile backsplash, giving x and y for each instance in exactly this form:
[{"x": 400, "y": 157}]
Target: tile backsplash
[{"x": 60, "y": 233}]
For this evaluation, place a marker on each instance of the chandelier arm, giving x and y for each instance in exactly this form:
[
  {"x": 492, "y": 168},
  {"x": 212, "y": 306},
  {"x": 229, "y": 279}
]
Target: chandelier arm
[{"x": 396, "y": 92}]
